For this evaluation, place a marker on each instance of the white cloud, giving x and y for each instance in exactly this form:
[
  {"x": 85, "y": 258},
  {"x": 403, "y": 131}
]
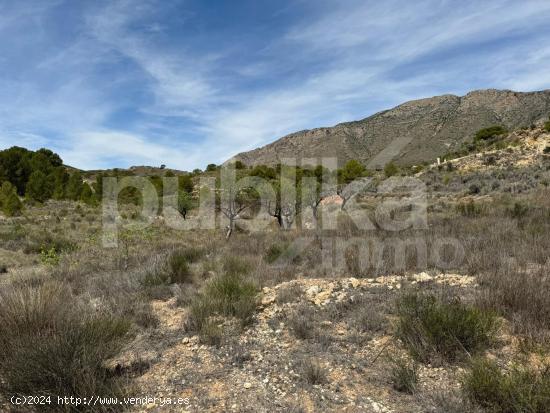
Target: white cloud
[
  {"x": 345, "y": 61},
  {"x": 178, "y": 79},
  {"x": 98, "y": 149}
]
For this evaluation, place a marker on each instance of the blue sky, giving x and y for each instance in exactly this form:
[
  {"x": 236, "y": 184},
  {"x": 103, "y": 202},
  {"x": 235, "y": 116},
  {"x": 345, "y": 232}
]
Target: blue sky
[{"x": 186, "y": 83}]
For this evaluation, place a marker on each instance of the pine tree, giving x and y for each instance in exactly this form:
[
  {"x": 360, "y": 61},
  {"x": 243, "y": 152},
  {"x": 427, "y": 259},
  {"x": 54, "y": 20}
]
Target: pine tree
[
  {"x": 38, "y": 187},
  {"x": 60, "y": 178},
  {"x": 98, "y": 187},
  {"x": 15, "y": 167},
  {"x": 9, "y": 200},
  {"x": 74, "y": 187},
  {"x": 87, "y": 195}
]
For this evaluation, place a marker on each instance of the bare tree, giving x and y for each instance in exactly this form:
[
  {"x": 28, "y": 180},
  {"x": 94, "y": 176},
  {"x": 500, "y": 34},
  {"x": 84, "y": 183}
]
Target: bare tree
[
  {"x": 311, "y": 197},
  {"x": 349, "y": 191},
  {"x": 234, "y": 198},
  {"x": 273, "y": 204},
  {"x": 283, "y": 202},
  {"x": 234, "y": 201}
]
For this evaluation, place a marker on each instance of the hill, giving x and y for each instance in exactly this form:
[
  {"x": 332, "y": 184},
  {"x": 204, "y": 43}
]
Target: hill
[{"x": 411, "y": 133}]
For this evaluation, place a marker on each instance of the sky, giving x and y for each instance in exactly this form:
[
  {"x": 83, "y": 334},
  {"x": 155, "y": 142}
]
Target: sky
[{"x": 186, "y": 83}]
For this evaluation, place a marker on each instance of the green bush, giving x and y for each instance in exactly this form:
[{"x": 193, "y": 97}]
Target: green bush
[
  {"x": 185, "y": 203},
  {"x": 273, "y": 253},
  {"x": 519, "y": 210},
  {"x": 54, "y": 345},
  {"x": 46, "y": 241},
  {"x": 87, "y": 195},
  {"x": 430, "y": 327},
  {"x": 517, "y": 390},
  {"x": 547, "y": 126},
  {"x": 49, "y": 257},
  {"x": 192, "y": 254},
  {"x": 489, "y": 133},
  {"x": 74, "y": 187},
  {"x": 10, "y": 204},
  {"x": 390, "y": 169},
  {"x": 351, "y": 171},
  {"x": 227, "y": 295}
]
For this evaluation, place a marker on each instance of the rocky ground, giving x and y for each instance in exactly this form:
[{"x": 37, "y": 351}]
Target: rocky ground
[{"x": 342, "y": 327}]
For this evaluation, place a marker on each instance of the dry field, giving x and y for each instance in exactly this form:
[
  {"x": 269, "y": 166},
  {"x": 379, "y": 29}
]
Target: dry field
[{"x": 260, "y": 323}]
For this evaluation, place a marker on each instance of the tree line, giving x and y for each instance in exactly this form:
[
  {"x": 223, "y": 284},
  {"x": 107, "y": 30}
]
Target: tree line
[{"x": 38, "y": 176}]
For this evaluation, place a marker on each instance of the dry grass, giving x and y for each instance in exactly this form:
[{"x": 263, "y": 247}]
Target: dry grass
[
  {"x": 506, "y": 247},
  {"x": 54, "y": 345},
  {"x": 517, "y": 389}
]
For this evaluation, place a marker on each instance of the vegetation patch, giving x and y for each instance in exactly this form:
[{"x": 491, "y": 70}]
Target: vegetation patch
[
  {"x": 52, "y": 345},
  {"x": 301, "y": 323},
  {"x": 404, "y": 375},
  {"x": 178, "y": 268},
  {"x": 227, "y": 295},
  {"x": 517, "y": 389},
  {"x": 430, "y": 327},
  {"x": 490, "y": 133},
  {"x": 521, "y": 296},
  {"x": 313, "y": 373}
]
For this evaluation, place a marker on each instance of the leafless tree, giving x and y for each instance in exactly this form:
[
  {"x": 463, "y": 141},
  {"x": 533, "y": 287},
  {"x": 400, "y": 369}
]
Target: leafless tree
[
  {"x": 349, "y": 191},
  {"x": 233, "y": 199},
  {"x": 312, "y": 196}
]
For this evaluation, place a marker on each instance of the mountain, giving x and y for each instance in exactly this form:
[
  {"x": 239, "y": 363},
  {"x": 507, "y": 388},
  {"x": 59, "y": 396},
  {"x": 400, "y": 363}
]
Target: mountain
[{"x": 416, "y": 131}]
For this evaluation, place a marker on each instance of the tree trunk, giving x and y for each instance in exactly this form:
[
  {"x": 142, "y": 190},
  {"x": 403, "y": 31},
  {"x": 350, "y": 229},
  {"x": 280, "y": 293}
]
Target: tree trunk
[
  {"x": 344, "y": 200},
  {"x": 314, "y": 215},
  {"x": 230, "y": 228}
]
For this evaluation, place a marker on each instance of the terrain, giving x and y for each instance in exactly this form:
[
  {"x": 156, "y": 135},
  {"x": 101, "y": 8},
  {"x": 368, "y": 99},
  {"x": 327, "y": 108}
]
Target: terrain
[
  {"x": 420, "y": 130},
  {"x": 258, "y": 322}
]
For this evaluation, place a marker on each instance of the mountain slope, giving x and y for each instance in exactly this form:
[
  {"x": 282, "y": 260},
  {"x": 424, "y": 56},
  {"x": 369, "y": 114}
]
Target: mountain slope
[{"x": 410, "y": 133}]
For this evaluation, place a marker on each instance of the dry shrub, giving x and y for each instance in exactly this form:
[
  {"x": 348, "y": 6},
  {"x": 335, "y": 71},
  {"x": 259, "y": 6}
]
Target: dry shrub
[
  {"x": 404, "y": 375},
  {"x": 54, "y": 345},
  {"x": 312, "y": 372},
  {"x": 227, "y": 295},
  {"x": 520, "y": 295},
  {"x": 302, "y": 322},
  {"x": 289, "y": 293},
  {"x": 430, "y": 327},
  {"x": 518, "y": 389}
]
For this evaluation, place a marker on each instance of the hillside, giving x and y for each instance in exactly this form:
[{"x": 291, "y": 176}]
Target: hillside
[
  {"x": 426, "y": 128},
  {"x": 259, "y": 322}
]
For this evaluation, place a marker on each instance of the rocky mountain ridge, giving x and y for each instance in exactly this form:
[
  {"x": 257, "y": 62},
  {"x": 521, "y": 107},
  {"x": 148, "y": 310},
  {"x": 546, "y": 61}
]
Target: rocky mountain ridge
[{"x": 413, "y": 132}]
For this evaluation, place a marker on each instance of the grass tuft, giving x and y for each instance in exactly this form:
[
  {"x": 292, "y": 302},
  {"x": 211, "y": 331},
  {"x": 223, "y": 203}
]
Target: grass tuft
[
  {"x": 404, "y": 375},
  {"x": 53, "y": 345}
]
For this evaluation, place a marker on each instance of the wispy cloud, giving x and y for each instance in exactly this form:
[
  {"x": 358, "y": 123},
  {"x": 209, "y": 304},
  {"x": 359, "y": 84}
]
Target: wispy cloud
[
  {"x": 102, "y": 149},
  {"x": 121, "y": 83}
]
